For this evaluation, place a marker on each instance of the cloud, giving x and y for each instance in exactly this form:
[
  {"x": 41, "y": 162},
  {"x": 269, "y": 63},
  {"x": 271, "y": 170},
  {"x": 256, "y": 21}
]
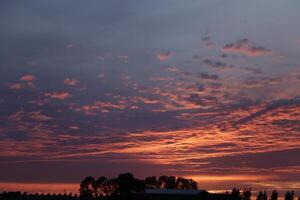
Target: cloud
[
  {"x": 273, "y": 106},
  {"x": 208, "y": 76},
  {"x": 74, "y": 127},
  {"x": 162, "y": 56},
  {"x": 28, "y": 77},
  {"x": 245, "y": 47},
  {"x": 16, "y": 86},
  {"x": 58, "y": 95},
  {"x": 19, "y": 86},
  {"x": 216, "y": 64},
  {"x": 25, "y": 82},
  {"x": 262, "y": 82},
  {"x": 71, "y": 46},
  {"x": 38, "y": 116},
  {"x": 71, "y": 81}
]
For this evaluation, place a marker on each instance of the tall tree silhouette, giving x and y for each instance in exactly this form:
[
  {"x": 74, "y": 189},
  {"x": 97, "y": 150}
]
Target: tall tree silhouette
[
  {"x": 127, "y": 183},
  {"x": 262, "y": 195},
  {"x": 193, "y": 184},
  {"x": 171, "y": 182},
  {"x": 151, "y": 182},
  {"x": 289, "y": 195},
  {"x": 246, "y": 195},
  {"x": 274, "y": 195},
  {"x": 111, "y": 187},
  {"x": 235, "y": 194},
  {"x": 87, "y": 187},
  {"x": 162, "y": 181},
  {"x": 265, "y": 196},
  {"x": 184, "y": 184},
  {"x": 100, "y": 186}
]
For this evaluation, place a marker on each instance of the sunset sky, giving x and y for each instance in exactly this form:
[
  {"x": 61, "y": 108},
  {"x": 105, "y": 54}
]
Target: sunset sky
[{"x": 207, "y": 89}]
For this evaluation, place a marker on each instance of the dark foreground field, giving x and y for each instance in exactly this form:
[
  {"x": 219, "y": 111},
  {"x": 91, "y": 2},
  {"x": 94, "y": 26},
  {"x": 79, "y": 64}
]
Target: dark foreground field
[{"x": 201, "y": 196}]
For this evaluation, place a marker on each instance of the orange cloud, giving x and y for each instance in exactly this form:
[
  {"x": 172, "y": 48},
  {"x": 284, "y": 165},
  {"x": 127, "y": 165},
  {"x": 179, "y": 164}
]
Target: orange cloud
[
  {"x": 71, "y": 81},
  {"x": 27, "y": 82},
  {"x": 16, "y": 86},
  {"x": 58, "y": 95},
  {"x": 162, "y": 56},
  {"x": 230, "y": 177},
  {"x": 19, "y": 86},
  {"x": 28, "y": 77}
]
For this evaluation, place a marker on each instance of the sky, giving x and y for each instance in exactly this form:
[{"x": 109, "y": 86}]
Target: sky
[{"x": 207, "y": 89}]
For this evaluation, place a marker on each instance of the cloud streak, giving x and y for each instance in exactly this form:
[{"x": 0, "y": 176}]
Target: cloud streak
[{"x": 245, "y": 47}]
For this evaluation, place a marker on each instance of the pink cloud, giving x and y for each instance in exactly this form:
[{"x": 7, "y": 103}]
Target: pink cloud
[
  {"x": 16, "y": 86},
  {"x": 38, "y": 116},
  {"x": 71, "y": 81},
  {"x": 28, "y": 77},
  {"x": 71, "y": 46},
  {"x": 245, "y": 47},
  {"x": 27, "y": 82},
  {"x": 19, "y": 86},
  {"x": 74, "y": 128},
  {"x": 58, "y": 95},
  {"x": 162, "y": 56}
]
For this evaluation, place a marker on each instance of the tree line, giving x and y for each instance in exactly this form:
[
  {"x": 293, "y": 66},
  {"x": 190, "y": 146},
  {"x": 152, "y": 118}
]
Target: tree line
[
  {"x": 236, "y": 194},
  {"x": 126, "y": 183}
]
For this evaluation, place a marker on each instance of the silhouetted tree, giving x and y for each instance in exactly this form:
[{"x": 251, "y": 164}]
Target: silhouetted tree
[
  {"x": 126, "y": 183},
  {"x": 151, "y": 182},
  {"x": 111, "y": 187},
  {"x": 171, "y": 182},
  {"x": 262, "y": 195},
  {"x": 235, "y": 194},
  {"x": 87, "y": 187},
  {"x": 162, "y": 181},
  {"x": 99, "y": 186},
  {"x": 246, "y": 195},
  {"x": 139, "y": 185},
  {"x": 186, "y": 184},
  {"x": 193, "y": 184},
  {"x": 274, "y": 195},
  {"x": 265, "y": 196},
  {"x": 182, "y": 183},
  {"x": 289, "y": 195}
]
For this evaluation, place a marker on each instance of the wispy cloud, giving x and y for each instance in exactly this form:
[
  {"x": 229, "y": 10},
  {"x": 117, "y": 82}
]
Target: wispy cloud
[
  {"x": 245, "y": 47},
  {"x": 58, "y": 95},
  {"x": 28, "y": 77},
  {"x": 71, "y": 81}
]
